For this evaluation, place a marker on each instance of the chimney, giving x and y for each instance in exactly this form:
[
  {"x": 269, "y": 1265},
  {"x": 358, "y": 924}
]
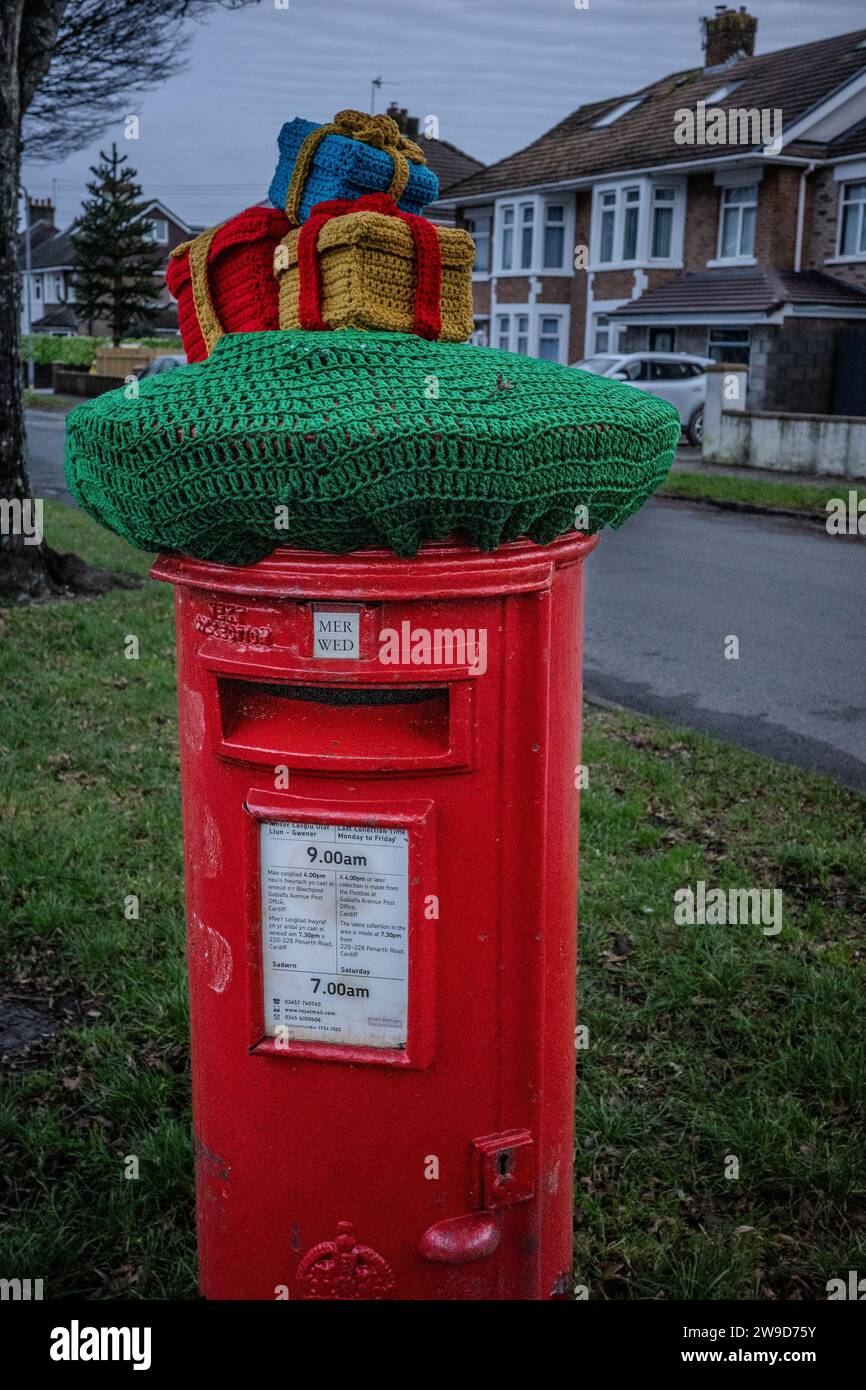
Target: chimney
[
  {"x": 728, "y": 36},
  {"x": 41, "y": 210},
  {"x": 408, "y": 124}
]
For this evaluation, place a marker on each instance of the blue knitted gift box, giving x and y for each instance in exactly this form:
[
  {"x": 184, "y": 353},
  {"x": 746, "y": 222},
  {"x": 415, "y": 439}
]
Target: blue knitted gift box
[{"x": 343, "y": 167}]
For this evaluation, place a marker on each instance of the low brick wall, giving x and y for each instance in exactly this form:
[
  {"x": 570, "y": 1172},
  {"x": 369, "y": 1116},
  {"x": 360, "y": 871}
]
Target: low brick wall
[
  {"x": 834, "y": 445},
  {"x": 67, "y": 382}
]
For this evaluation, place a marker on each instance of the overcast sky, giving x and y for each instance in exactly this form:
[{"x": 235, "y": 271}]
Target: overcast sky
[{"x": 496, "y": 73}]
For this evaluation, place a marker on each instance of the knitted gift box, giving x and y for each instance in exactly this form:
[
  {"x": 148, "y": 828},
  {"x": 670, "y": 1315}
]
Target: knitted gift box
[
  {"x": 351, "y": 155},
  {"x": 223, "y": 280},
  {"x": 333, "y": 441},
  {"x": 366, "y": 264}
]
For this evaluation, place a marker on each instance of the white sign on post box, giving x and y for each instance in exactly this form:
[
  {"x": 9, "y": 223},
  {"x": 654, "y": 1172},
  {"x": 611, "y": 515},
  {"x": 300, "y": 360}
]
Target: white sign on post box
[
  {"x": 336, "y": 635},
  {"x": 335, "y": 920}
]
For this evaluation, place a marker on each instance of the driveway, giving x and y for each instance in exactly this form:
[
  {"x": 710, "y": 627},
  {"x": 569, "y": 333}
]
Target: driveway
[{"x": 665, "y": 591}]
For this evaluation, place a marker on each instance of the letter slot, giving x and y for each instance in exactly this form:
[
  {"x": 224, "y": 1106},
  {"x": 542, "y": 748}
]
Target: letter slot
[{"x": 344, "y": 727}]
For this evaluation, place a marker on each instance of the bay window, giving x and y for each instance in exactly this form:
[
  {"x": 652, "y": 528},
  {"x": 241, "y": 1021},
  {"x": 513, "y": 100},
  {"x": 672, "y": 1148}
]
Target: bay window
[
  {"x": 636, "y": 223},
  {"x": 532, "y": 235},
  {"x": 533, "y": 331}
]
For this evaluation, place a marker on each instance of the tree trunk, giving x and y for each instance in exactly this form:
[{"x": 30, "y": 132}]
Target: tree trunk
[
  {"x": 27, "y": 571},
  {"x": 23, "y": 567}
]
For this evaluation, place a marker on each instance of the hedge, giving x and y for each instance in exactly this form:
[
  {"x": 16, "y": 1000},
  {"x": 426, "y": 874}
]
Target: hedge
[{"x": 81, "y": 351}]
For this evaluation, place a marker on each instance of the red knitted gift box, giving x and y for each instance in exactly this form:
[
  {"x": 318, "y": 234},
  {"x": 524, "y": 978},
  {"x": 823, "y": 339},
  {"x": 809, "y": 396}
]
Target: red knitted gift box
[{"x": 237, "y": 292}]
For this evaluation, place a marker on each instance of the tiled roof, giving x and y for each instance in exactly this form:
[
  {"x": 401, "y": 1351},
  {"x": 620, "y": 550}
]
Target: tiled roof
[
  {"x": 793, "y": 79},
  {"x": 52, "y": 251},
  {"x": 62, "y": 317},
  {"x": 448, "y": 163},
  {"x": 738, "y": 291},
  {"x": 56, "y": 249}
]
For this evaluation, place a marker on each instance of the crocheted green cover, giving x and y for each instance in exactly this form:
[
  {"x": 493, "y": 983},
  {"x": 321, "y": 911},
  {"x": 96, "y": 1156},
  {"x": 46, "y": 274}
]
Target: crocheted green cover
[{"x": 363, "y": 438}]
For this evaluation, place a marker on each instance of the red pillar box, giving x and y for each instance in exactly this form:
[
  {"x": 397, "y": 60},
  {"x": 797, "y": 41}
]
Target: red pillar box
[{"x": 380, "y": 823}]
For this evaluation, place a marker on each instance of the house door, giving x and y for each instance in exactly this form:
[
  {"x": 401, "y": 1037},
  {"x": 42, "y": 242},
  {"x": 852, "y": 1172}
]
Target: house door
[
  {"x": 662, "y": 339},
  {"x": 849, "y": 375}
]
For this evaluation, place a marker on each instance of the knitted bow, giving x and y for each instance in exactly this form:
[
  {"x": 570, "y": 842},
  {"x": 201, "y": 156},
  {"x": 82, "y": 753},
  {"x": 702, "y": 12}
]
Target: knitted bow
[
  {"x": 380, "y": 132},
  {"x": 199, "y": 251},
  {"x": 427, "y": 315}
]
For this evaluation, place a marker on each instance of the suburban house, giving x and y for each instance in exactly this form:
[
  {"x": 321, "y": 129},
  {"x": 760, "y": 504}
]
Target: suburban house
[
  {"x": 52, "y": 273},
  {"x": 719, "y": 211}
]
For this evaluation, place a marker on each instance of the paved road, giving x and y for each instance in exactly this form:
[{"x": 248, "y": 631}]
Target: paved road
[
  {"x": 665, "y": 591},
  {"x": 45, "y": 433}
]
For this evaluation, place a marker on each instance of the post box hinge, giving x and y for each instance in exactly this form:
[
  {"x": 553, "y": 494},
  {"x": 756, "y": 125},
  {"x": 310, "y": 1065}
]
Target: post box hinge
[{"x": 505, "y": 1168}]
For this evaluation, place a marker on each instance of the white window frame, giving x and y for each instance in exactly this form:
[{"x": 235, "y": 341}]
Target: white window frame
[
  {"x": 489, "y": 211},
  {"x": 552, "y": 311},
  {"x": 533, "y": 314},
  {"x": 618, "y": 197},
  {"x": 533, "y": 206},
  {"x": 843, "y": 188},
  {"x": 613, "y": 329},
  {"x": 741, "y": 258},
  {"x": 508, "y": 321},
  {"x": 160, "y": 240}
]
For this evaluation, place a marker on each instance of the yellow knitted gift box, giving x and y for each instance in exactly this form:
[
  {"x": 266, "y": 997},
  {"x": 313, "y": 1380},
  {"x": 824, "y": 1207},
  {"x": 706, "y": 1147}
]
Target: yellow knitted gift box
[{"x": 368, "y": 276}]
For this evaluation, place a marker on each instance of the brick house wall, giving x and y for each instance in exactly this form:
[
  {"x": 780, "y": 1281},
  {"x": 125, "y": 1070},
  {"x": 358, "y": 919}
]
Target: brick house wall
[
  {"x": 823, "y": 229},
  {"x": 793, "y": 364},
  {"x": 776, "y": 225},
  {"x": 701, "y": 234}
]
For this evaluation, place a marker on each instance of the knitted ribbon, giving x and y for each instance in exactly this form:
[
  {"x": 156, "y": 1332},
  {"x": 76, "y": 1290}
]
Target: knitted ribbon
[
  {"x": 381, "y": 132},
  {"x": 428, "y": 286},
  {"x": 199, "y": 251}
]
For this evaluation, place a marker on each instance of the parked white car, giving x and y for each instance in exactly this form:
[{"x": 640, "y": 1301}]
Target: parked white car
[{"x": 675, "y": 376}]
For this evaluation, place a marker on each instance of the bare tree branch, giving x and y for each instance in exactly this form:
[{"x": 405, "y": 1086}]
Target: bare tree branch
[
  {"x": 67, "y": 69},
  {"x": 107, "y": 52}
]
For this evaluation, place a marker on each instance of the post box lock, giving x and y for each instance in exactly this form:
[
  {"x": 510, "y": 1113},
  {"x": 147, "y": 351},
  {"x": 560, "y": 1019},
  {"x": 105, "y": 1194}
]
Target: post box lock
[
  {"x": 504, "y": 1174},
  {"x": 506, "y": 1168}
]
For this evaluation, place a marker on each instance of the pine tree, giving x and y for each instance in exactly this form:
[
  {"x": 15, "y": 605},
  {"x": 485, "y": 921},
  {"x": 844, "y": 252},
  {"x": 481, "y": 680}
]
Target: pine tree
[{"x": 116, "y": 260}]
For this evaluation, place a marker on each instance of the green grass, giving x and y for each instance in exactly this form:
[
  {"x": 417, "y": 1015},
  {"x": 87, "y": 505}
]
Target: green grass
[
  {"x": 704, "y": 1041},
  {"x": 710, "y": 1041},
  {"x": 724, "y": 487}
]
